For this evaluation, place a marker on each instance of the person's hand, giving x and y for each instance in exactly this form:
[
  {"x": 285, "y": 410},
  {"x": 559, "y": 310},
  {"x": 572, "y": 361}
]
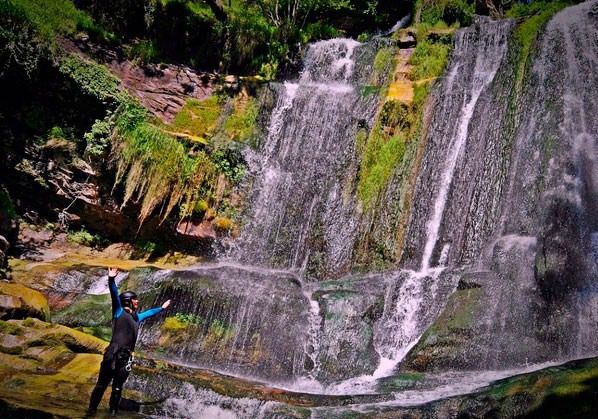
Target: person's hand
[
  {"x": 112, "y": 271},
  {"x": 165, "y": 305}
]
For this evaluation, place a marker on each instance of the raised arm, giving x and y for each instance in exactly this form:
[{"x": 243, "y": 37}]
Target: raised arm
[
  {"x": 117, "y": 309},
  {"x": 152, "y": 311}
]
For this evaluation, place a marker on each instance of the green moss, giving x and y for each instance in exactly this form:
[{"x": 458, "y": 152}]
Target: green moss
[
  {"x": 172, "y": 324},
  {"x": 10, "y": 328},
  {"x": 102, "y": 332},
  {"x": 240, "y": 125},
  {"x": 429, "y": 59},
  {"x": 198, "y": 117},
  {"x": 383, "y": 63},
  {"x": 526, "y": 33},
  {"x": 380, "y": 157}
]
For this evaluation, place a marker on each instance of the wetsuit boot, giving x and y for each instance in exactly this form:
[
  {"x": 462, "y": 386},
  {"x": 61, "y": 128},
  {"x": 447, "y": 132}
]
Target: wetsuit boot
[{"x": 115, "y": 400}]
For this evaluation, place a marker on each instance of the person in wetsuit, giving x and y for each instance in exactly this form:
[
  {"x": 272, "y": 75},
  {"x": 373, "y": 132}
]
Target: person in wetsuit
[{"x": 118, "y": 356}]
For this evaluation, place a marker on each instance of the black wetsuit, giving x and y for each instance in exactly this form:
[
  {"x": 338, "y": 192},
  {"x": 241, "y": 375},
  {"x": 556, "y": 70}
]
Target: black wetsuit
[{"x": 117, "y": 361}]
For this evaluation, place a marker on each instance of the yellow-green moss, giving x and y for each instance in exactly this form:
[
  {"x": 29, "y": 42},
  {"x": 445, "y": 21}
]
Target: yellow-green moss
[
  {"x": 31, "y": 299},
  {"x": 173, "y": 324},
  {"x": 240, "y": 125},
  {"x": 198, "y": 117},
  {"x": 223, "y": 224}
]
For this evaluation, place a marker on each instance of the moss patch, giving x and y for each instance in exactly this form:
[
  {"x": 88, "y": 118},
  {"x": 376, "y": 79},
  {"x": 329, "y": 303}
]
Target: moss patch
[{"x": 32, "y": 302}]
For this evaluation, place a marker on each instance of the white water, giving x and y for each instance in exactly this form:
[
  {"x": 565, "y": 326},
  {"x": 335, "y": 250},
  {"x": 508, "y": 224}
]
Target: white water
[
  {"x": 401, "y": 327},
  {"x": 401, "y": 23},
  {"x": 483, "y": 78},
  {"x": 100, "y": 286},
  {"x": 199, "y": 403},
  {"x": 458, "y": 384}
]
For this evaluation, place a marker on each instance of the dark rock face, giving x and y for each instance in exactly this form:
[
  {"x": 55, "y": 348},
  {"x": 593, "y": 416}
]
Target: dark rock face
[
  {"x": 250, "y": 322},
  {"x": 345, "y": 339}
]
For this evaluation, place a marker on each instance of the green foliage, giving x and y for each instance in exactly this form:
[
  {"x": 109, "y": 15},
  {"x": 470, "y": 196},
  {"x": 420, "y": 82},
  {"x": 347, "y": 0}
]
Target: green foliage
[
  {"x": 429, "y": 58},
  {"x": 58, "y": 17},
  {"x": 99, "y": 137},
  {"x": 230, "y": 162},
  {"x": 450, "y": 11},
  {"x": 146, "y": 248},
  {"x": 189, "y": 319},
  {"x": 92, "y": 78},
  {"x": 85, "y": 238},
  {"x": 144, "y": 51},
  {"x": 18, "y": 40}
]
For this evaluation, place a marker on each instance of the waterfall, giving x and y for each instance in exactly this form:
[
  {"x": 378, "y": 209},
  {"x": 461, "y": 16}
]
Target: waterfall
[
  {"x": 305, "y": 162},
  {"x": 478, "y": 54},
  {"x": 413, "y": 301},
  {"x": 498, "y": 195}
]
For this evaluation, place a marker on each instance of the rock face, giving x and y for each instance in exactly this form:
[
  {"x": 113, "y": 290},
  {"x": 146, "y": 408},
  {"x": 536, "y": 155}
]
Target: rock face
[
  {"x": 245, "y": 321},
  {"x": 49, "y": 368},
  {"x": 345, "y": 342},
  {"x": 163, "y": 89},
  {"x": 19, "y": 302}
]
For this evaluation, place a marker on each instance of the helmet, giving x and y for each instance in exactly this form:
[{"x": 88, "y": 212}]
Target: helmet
[{"x": 126, "y": 297}]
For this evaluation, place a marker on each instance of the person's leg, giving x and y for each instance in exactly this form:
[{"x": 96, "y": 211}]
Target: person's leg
[
  {"x": 104, "y": 378},
  {"x": 120, "y": 376}
]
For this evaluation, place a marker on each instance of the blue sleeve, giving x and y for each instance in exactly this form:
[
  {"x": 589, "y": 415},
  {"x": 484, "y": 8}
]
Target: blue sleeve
[
  {"x": 117, "y": 309},
  {"x": 148, "y": 313}
]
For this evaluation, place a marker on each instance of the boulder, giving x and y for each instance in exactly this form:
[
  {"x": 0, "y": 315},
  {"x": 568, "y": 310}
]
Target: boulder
[{"x": 19, "y": 302}]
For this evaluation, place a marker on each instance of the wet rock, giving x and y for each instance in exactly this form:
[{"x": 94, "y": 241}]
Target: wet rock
[
  {"x": 196, "y": 229},
  {"x": 230, "y": 319},
  {"x": 19, "y": 302},
  {"x": 46, "y": 368},
  {"x": 346, "y": 336},
  {"x": 406, "y": 39}
]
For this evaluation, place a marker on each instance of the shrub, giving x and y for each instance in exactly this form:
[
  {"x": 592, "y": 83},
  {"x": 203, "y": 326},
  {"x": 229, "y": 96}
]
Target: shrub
[
  {"x": 59, "y": 17},
  {"x": 223, "y": 224},
  {"x": 85, "y": 238},
  {"x": 429, "y": 58}
]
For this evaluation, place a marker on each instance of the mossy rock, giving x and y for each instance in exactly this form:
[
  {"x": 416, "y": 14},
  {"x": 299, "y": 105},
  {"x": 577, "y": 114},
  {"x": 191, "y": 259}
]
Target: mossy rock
[{"x": 19, "y": 302}]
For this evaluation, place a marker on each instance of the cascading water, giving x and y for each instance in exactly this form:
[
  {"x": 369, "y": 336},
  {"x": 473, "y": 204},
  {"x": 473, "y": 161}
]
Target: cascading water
[
  {"x": 463, "y": 94},
  {"x": 413, "y": 299},
  {"x": 300, "y": 185}
]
